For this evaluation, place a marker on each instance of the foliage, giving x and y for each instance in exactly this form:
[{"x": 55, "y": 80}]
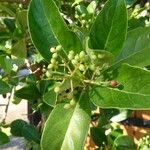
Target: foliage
[{"x": 83, "y": 55}]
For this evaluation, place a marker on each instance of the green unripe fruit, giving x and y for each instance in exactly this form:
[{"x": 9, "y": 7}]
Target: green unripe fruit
[
  {"x": 50, "y": 66},
  {"x": 58, "y": 48},
  {"x": 48, "y": 74},
  {"x": 97, "y": 72},
  {"x": 71, "y": 52},
  {"x": 82, "y": 55},
  {"x": 53, "y": 61},
  {"x": 83, "y": 21},
  {"x": 100, "y": 56},
  {"x": 53, "y": 50},
  {"x": 72, "y": 102},
  {"x": 87, "y": 26},
  {"x": 70, "y": 95},
  {"x": 93, "y": 57},
  {"x": 70, "y": 56},
  {"x": 82, "y": 67},
  {"x": 76, "y": 57},
  {"x": 67, "y": 106},
  {"x": 55, "y": 55},
  {"x": 83, "y": 15},
  {"x": 92, "y": 67},
  {"x": 74, "y": 62},
  {"x": 76, "y": 16},
  {"x": 57, "y": 89}
]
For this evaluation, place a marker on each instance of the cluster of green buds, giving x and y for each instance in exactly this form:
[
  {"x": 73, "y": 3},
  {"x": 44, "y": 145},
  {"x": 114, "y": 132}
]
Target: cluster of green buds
[
  {"x": 83, "y": 19},
  {"x": 53, "y": 62},
  {"x": 73, "y": 70},
  {"x": 144, "y": 143}
]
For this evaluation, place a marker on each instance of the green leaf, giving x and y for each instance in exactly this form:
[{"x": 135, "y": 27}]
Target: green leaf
[
  {"x": 19, "y": 49},
  {"x": 124, "y": 143},
  {"x": 98, "y": 136},
  {"x": 50, "y": 98},
  {"x": 135, "y": 94},
  {"x": 47, "y": 31},
  {"x": 29, "y": 92},
  {"x": 30, "y": 133},
  {"x": 130, "y": 2},
  {"x": 5, "y": 63},
  {"x": 91, "y": 7},
  {"x": 109, "y": 29},
  {"x": 21, "y": 20},
  {"x": 4, "y": 87},
  {"x": 40, "y": 30},
  {"x": 65, "y": 37},
  {"x": 3, "y": 138},
  {"x": 22, "y": 129},
  {"x": 67, "y": 128},
  {"x": 17, "y": 126},
  {"x": 136, "y": 48}
]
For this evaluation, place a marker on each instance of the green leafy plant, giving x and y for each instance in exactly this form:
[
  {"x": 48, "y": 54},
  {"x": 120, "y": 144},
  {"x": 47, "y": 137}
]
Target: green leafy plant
[
  {"x": 91, "y": 55},
  {"x": 103, "y": 65}
]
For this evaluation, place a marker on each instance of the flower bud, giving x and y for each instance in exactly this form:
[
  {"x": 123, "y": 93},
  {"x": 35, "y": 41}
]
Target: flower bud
[
  {"x": 53, "y": 50},
  {"x": 67, "y": 106},
  {"x": 50, "y": 66},
  {"x": 74, "y": 62},
  {"x": 82, "y": 67},
  {"x": 55, "y": 55},
  {"x": 58, "y": 48},
  {"x": 53, "y": 61},
  {"x": 72, "y": 102},
  {"x": 57, "y": 89}
]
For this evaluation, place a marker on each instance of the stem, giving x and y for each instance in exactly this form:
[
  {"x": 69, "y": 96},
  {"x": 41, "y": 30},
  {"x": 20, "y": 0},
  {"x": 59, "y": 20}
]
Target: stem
[
  {"x": 7, "y": 105},
  {"x": 95, "y": 83}
]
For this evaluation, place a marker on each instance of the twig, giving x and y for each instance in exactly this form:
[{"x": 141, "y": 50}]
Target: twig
[{"x": 7, "y": 105}]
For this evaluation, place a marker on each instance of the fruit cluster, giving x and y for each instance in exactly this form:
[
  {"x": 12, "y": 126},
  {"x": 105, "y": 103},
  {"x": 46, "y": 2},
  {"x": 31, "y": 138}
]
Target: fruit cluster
[
  {"x": 76, "y": 70},
  {"x": 144, "y": 143}
]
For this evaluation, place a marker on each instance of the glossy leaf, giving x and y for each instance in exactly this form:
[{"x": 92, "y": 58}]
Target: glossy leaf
[
  {"x": 47, "y": 31},
  {"x": 50, "y": 98},
  {"x": 5, "y": 63},
  {"x": 40, "y": 30},
  {"x": 30, "y": 133},
  {"x": 22, "y": 129},
  {"x": 17, "y": 126},
  {"x": 4, "y": 87},
  {"x": 65, "y": 37},
  {"x": 136, "y": 48},
  {"x": 135, "y": 94},
  {"x": 98, "y": 136},
  {"x": 30, "y": 93},
  {"x": 124, "y": 143},
  {"x": 67, "y": 128},
  {"x": 130, "y": 2},
  {"x": 3, "y": 138},
  {"x": 19, "y": 49},
  {"x": 109, "y": 30}
]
